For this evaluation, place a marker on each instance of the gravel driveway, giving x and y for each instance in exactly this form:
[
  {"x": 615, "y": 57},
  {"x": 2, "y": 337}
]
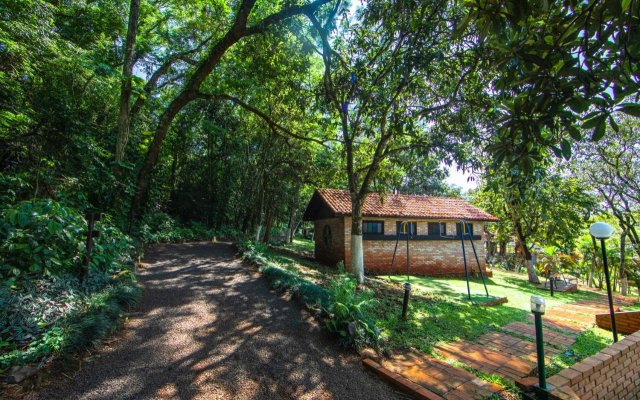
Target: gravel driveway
[{"x": 209, "y": 328}]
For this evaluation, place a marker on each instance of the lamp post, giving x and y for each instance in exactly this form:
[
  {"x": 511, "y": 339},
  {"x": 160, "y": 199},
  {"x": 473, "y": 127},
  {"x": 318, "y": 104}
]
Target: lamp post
[
  {"x": 538, "y": 307},
  {"x": 603, "y": 231}
]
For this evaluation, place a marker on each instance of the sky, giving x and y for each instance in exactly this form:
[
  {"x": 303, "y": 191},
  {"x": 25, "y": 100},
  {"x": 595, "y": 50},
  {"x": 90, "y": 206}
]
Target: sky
[{"x": 458, "y": 178}]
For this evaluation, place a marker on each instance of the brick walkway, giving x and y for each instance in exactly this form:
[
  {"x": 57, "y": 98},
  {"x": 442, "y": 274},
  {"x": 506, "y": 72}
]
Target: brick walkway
[
  {"x": 439, "y": 377},
  {"x": 515, "y": 346},
  {"x": 509, "y": 353},
  {"x": 486, "y": 360},
  {"x": 552, "y": 338}
]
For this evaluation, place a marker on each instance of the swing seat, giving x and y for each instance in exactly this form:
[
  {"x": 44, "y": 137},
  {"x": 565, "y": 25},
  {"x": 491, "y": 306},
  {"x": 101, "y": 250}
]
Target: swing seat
[{"x": 559, "y": 280}]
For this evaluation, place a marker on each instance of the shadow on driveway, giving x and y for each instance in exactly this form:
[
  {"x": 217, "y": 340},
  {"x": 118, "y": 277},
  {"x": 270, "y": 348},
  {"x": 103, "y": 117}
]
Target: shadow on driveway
[{"x": 210, "y": 328}]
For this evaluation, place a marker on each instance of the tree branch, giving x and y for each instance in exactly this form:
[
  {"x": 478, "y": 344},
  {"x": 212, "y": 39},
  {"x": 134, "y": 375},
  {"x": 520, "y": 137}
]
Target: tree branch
[{"x": 262, "y": 115}]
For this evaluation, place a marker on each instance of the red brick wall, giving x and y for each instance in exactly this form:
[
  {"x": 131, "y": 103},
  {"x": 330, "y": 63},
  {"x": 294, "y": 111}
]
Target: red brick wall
[
  {"x": 427, "y": 257},
  {"x": 614, "y": 373},
  {"x": 626, "y": 321},
  {"x": 332, "y": 252}
]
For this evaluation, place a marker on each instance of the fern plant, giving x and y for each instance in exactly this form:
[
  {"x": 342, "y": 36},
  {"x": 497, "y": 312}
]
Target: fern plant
[{"x": 347, "y": 315}]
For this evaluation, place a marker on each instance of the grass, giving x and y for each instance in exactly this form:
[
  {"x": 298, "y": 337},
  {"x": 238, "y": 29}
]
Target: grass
[
  {"x": 512, "y": 285},
  {"x": 103, "y": 313},
  {"x": 440, "y": 311},
  {"x": 587, "y": 343},
  {"x": 301, "y": 246}
]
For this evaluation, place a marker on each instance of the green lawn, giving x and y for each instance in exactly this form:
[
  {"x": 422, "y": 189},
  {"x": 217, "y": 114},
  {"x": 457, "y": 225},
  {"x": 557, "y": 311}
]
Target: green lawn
[
  {"x": 514, "y": 286},
  {"x": 451, "y": 316},
  {"x": 439, "y": 310},
  {"x": 301, "y": 246}
]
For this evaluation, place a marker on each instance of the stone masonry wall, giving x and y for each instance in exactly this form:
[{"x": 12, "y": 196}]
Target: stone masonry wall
[
  {"x": 426, "y": 257},
  {"x": 614, "y": 373}
]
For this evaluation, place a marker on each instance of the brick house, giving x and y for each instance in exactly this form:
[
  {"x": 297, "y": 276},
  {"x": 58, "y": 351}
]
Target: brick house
[{"x": 433, "y": 224}]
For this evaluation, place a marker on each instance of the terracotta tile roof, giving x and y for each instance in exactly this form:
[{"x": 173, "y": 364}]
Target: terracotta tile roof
[{"x": 403, "y": 205}]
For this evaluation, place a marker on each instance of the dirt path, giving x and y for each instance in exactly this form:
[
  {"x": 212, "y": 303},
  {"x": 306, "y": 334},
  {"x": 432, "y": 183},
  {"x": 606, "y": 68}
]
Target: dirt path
[{"x": 210, "y": 328}]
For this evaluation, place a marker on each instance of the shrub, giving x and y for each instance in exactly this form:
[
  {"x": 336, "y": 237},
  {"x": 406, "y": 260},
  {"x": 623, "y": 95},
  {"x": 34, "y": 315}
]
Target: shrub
[
  {"x": 347, "y": 313},
  {"x": 342, "y": 307},
  {"x": 47, "y": 306},
  {"x": 40, "y": 237},
  {"x": 160, "y": 227},
  {"x": 98, "y": 317},
  {"x": 44, "y": 237}
]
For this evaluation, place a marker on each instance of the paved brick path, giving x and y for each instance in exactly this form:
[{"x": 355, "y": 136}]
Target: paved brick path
[
  {"x": 441, "y": 378},
  {"x": 510, "y": 352},
  {"x": 552, "y": 338},
  {"x": 486, "y": 360},
  {"x": 515, "y": 346}
]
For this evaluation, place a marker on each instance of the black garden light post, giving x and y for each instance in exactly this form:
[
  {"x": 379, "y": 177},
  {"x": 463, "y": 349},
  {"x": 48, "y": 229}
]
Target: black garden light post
[
  {"x": 603, "y": 231},
  {"x": 538, "y": 307}
]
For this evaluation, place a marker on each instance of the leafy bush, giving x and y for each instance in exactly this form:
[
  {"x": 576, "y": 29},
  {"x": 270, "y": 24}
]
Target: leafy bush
[
  {"x": 82, "y": 328},
  {"x": 313, "y": 296},
  {"x": 40, "y": 237},
  {"x": 44, "y": 237},
  {"x": 40, "y": 304},
  {"x": 346, "y": 312},
  {"x": 48, "y": 305},
  {"x": 342, "y": 307},
  {"x": 160, "y": 227}
]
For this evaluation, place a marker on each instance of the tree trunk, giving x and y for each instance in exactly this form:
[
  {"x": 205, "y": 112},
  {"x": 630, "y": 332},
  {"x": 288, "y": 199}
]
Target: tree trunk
[
  {"x": 291, "y": 227},
  {"x": 502, "y": 252},
  {"x": 622, "y": 274},
  {"x": 522, "y": 242},
  {"x": 357, "y": 253},
  {"x": 127, "y": 72},
  {"x": 191, "y": 89},
  {"x": 269, "y": 221},
  {"x": 144, "y": 175}
]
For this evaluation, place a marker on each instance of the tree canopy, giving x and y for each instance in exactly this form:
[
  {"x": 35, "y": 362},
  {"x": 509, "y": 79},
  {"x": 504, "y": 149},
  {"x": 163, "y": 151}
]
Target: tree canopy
[{"x": 227, "y": 114}]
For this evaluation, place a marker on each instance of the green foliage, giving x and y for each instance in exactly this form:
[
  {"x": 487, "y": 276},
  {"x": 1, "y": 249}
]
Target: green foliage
[
  {"x": 41, "y": 237},
  {"x": 96, "y": 317},
  {"x": 313, "y": 296},
  {"x": 561, "y": 64},
  {"x": 345, "y": 311},
  {"x": 45, "y": 237},
  {"x": 46, "y": 298},
  {"x": 587, "y": 343},
  {"x": 160, "y": 227},
  {"x": 350, "y": 312}
]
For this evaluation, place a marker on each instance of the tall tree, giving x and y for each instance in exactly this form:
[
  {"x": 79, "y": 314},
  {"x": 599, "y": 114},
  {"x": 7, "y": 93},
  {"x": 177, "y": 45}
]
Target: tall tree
[
  {"x": 612, "y": 168},
  {"x": 125, "y": 88},
  {"x": 390, "y": 72},
  {"x": 548, "y": 209},
  {"x": 561, "y": 63},
  {"x": 191, "y": 90}
]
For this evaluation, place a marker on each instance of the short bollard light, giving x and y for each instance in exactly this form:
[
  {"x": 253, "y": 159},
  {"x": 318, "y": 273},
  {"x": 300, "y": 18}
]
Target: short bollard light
[
  {"x": 538, "y": 307},
  {"x": 405, "y": 302}
]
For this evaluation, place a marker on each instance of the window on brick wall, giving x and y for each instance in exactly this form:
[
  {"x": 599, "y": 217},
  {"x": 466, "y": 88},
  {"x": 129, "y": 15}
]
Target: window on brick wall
[
  {"x": 372, "y": 227},
  {"x": 327, "y": 236},
  {"x": 437, "y": 229},
  {"x": 464, "y": 228},
  {"x": 403, "y": 228}
]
